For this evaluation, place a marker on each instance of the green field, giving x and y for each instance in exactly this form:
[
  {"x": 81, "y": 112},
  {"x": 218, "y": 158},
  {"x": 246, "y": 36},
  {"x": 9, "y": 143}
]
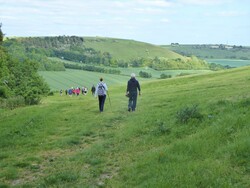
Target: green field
[
  {"x": 229, "y": 62},
  {"x": 186, "y": 132},
  {"x": 206, "y": 51},
  {"x": 77, "y": 78}
]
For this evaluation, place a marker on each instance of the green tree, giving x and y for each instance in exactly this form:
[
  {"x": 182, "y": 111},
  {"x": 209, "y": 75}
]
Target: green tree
[
  {"x": 1, "y": 34},
  {"x": 4, "y": 74},
  {"x": 20, "y": 79},
  {"x": 28, "y": 83}
]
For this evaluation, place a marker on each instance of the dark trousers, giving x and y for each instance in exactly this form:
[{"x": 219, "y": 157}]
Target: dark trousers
[
  {"x": 132, "y": 101},
  {"x": 101, "y": 102}
]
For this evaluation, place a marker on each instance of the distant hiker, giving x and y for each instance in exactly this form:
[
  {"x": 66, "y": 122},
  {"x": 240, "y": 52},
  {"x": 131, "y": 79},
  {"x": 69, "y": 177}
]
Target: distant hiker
[
  {"x": 132, "y": 87},
  {"x": 85, "y": 90},
  {"x": 70, "y": 92},
  {"x": 77, "y": 91},
  {"x": 66, "y": 92},
  {"x": 101, "y": 91},
  {"x": 93, "y": 90},
  {"x": 61, "y": 92}
]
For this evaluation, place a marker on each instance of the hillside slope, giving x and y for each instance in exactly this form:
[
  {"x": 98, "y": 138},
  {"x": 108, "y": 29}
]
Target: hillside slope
[
  {"x": 186, "y": 132},
  {"x": 129, "y": 49},
  {"x": 98, "y": 51}
]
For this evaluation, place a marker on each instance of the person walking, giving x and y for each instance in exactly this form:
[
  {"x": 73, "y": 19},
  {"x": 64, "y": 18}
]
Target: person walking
[
  {"x": 101, "y": 91},
  {"x": 133, "y": 87}
]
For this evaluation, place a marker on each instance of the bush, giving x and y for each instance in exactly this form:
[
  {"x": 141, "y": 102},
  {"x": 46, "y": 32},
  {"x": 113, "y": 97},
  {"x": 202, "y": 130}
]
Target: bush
[
  {"x": 184, "y": 74},
  {"x": 145, "y": 74},
  {"x": 163, "y": 76},
  {"x": 12, "y": 102},
  {"x": 188, "y": 113},
  {"x": 33, "y": 96},
  {"x": 21, "y": 79},
  {"x": 3, "y": 92},
  {"x": 51, "y": 93}
]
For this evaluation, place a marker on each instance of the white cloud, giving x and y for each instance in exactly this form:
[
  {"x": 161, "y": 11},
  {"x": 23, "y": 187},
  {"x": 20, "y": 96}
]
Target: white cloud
[
  {"x": 203, "y": 2},
  {"x": 155, "y": 3},
  {"x": 150, "y": 19},
  {"x": 231, "y": 13},
  {"x": 148, "y": 10},
  {"x": 165, "y": 20}
]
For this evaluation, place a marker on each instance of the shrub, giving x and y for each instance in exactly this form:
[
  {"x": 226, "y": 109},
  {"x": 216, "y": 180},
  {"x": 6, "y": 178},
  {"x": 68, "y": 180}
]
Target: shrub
[
  {"x": 162, "y": 128},
  {"x": 188, "y": 113},
  {"x": 145, "y": 74},
  {"x": 184, "y": 74},
  {"x": 33, "y": 96},
  {"x": 12, "y": 102},
  {"x": 163, "y": 76},
  {"x": 51, "y": 93},
  {"x": 3, "y": 92}
]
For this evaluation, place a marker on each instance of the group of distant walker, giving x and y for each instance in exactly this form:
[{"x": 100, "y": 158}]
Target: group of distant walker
[
  {"x": 101, "y": 91},
  {"x": 75, "y": 91}
]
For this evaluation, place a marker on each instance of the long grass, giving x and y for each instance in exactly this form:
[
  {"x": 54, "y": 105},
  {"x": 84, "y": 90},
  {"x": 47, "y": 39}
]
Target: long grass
[{"x": 66, "y": 142}]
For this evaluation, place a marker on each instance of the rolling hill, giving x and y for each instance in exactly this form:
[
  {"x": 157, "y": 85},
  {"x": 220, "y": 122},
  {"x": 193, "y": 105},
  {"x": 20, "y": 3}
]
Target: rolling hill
[
  {"x": 186, "y": 132},
  {"x": 129, "y": 49},
  {"x": 96, "y": 51}
]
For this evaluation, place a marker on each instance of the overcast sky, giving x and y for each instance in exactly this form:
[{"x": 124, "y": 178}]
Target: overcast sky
[{"x": 152, "y": 21}]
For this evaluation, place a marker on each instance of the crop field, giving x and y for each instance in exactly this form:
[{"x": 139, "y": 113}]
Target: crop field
[
  {"x": 207, "y": 52},
  {"x": 230, "y": 62},
  {"x": 78, "y": 78}
]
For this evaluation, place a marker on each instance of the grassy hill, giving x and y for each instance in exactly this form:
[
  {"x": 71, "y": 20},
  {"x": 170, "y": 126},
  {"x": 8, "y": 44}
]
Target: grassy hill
[
  {"x": 98, "y": 51},
  {"x": 120, "y": 49},
  {"x": 129, "y": 49},
  {"x": 186, "y": 132}
]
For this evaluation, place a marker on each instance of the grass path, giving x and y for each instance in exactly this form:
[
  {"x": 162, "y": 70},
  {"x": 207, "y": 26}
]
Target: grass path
[{"x": 66, "y": 142}]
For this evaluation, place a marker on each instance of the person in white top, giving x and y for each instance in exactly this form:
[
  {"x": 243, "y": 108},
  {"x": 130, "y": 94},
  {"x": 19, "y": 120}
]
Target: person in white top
[{"x": 101, "y": 92}]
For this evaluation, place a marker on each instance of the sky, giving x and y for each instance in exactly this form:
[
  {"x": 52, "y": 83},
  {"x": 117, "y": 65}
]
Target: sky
[{"x": 159, "y": 22}]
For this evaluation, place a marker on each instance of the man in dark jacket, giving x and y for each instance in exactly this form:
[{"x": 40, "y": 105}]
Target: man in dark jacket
[{"x": 132, "y": 87}]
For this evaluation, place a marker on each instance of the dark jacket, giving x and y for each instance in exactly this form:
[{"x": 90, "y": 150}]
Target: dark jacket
[{"x": 133, "y": 85}]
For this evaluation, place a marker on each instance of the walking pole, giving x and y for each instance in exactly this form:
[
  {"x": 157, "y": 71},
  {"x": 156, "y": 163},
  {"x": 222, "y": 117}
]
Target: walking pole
[{"x": 109, "y": 99}]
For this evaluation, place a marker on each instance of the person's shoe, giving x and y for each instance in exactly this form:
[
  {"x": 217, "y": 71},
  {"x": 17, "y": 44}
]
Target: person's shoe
[{"x": 129, "y": 109}]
